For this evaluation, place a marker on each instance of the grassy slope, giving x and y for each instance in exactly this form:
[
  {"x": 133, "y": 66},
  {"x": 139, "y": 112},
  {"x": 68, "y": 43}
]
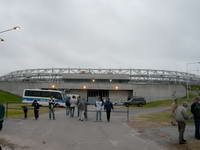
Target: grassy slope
[
  {"x": 8, "y": 97},
  {"x": 15, "y": 109},
  {"x": 168, "y": 102},
  {"x": 163, "y": 118}
]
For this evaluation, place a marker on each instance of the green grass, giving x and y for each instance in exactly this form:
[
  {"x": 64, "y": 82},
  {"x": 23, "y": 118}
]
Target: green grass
[
  {"x": 162, "y": 118},
  {"x": 17, "y": 112},
  {"x": 8, "y": 97},
  {"x": 15, "y": 105},
  {"x": 154, "y": 104}
]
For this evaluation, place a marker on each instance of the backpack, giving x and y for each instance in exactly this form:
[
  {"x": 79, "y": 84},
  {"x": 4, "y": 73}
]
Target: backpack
[
  {"x": 67, "y": 102},
  {"x": 197, "y": 110}
]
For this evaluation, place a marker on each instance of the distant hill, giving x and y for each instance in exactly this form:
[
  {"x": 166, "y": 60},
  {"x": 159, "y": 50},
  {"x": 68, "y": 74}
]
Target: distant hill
[{"x": 8, "y": 97}]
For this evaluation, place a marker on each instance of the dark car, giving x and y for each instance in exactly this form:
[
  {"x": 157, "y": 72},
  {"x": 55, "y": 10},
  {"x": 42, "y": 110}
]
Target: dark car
[{"x": 139, "y": 101}]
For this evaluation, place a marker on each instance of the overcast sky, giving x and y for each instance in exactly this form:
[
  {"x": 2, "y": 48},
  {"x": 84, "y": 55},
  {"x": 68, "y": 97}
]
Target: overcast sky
[{"x": 146, "y": 34}]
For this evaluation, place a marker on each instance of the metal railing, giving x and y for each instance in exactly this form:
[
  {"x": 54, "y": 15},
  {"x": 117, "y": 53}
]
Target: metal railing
[{"x": 134, "y": 75}]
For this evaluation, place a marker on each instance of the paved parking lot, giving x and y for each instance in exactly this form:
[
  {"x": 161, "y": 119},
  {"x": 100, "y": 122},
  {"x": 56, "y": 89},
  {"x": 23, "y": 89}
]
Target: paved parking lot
[{"x": 66, "y": 133}]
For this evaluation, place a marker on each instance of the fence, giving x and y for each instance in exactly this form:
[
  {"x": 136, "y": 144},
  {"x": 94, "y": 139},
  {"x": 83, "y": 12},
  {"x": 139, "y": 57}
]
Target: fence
[{"x": 16, "y": 110}]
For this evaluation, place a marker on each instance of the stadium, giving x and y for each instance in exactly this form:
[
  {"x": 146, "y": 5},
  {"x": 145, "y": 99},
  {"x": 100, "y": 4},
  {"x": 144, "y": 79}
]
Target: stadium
[{"x": 117, "y": 84}]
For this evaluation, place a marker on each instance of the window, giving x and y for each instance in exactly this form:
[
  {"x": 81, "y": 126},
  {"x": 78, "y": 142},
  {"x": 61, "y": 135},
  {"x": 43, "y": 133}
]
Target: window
[
  {"x": 97, "y": 93},
  {"x": 56, "y": 95}
]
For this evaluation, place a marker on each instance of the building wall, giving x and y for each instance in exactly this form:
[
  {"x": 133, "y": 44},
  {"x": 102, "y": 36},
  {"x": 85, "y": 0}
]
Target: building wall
[
  {"x": 82, "y": 93},
  {"x": 149, "y": 91},
  {"x": 159, "y": 92},
  {"x": 119, "y": 95}
]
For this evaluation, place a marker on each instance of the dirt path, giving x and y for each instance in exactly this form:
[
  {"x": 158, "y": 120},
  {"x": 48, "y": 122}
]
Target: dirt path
[{"x": 164, "y": 134}]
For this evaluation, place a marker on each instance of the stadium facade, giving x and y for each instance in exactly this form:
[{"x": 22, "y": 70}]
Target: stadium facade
[{"x": 118, "y": 84}]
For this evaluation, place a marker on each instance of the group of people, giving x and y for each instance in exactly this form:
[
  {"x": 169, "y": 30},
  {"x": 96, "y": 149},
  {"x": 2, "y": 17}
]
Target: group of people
[
  {"x": 52, "y": 105},
  {"x": 81, "y": 105},
  {"x": 181, "y": 116},
  {"x": 106, "y": 105},
  {"x": 72, "y": 103}
]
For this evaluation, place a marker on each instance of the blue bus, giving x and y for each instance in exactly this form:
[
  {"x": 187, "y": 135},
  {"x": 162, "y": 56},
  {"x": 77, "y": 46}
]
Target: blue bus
[{"x": 43, "y": 96}]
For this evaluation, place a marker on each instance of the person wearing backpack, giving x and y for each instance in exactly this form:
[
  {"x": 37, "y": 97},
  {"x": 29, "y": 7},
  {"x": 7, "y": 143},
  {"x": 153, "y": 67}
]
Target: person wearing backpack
[
  {"x": 52, "y": 106},
  {"x": 195, "y": 109},
  {"x": 81, "y": 107},
  {"x": 67, "y": 106},
  {"x": 181, "y": 116},
  {"x": 36, "y": 109},
  {"x": 73, "y": 104}
]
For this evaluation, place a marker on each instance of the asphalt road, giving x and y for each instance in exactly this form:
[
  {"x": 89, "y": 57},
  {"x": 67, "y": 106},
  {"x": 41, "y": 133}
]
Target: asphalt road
[{"x": 66, "y": 133}]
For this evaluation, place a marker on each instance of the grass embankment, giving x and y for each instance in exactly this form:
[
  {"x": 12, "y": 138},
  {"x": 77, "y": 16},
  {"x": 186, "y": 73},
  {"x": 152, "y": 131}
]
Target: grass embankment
[
  {"x": 154, "y": 104},
  {"x": 163, "y": 103},
  {"x": 15, "y": 110},
  {"x": 8, "y": 97},
  {"x": 15, "y": 105}
]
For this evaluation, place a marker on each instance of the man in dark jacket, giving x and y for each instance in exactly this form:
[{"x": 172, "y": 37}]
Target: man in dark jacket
[
  {"x": 2, "y": 113},
  {"x": 25, "y": 110},
  {"x": 195, "y": 109},
  {"x": 67, "y": 106},
  {"x": 108, "y": 106},
  {"x": 36, "y": 106}
]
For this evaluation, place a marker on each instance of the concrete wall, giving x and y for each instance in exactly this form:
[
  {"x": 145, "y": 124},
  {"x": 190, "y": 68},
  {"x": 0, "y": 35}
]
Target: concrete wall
[
  {"x": 118, "y": 95},
  {"x": 159, "y": 92},
  {"x": 149, "y": 91}
]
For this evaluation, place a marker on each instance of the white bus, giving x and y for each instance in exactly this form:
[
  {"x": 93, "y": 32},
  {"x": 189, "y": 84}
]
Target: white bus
[{"x": 43, "y": 96}]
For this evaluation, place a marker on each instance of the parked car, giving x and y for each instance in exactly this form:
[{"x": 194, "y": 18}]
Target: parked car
[{"x": 138, "y": 101}]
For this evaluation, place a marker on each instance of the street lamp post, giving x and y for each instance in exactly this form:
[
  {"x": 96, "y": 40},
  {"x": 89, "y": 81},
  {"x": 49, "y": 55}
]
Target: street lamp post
[
  {"x": 14, "y": 28},
  {"x": 1, "y": 40},
  {"x": 187, "y": 71}
]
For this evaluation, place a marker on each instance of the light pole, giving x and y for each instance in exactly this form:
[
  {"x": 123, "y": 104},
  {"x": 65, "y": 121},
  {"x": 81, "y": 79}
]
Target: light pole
[
  {"x": 1, "y": 40},
  {"x": 14, "y": 28},
  {"x": 187, "y": 71}
]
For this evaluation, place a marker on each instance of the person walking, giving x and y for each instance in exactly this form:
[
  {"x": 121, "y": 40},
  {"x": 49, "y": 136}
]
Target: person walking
[
  {"x": 78, "y": 101},
  {"x": 67, "y": 106},
  {"x": 174, "y": 106},
  {"x": 81, "y": 108},
  {"x": 36, "y": 107},
  {"x": 98, "y": 105},
  {"x": 25, "y": 110},
  {"x": 181, "y": 116},
  {"x": 108, "y": 106},
  {"x": 73, "y": 103},
  {"x": 2, "y": 114},
  {"x": 52, "y": 105},
  {"x": 86, "y": 110},
  {"x": 195, "y": 109}
]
